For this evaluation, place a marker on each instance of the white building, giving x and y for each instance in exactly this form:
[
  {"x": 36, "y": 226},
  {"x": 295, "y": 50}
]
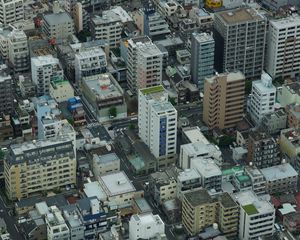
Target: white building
[
  {"x": 187, "y": 180},
  {"x": 43, "y": 70},
  {"x": 283, "y": 48},
  {"x": 211, "y": 174},
  {"x": 144, "y": 62},
  {"x": 262, "y": 99},
  {"x": 105, "y": 163},
  {"x": 90, "y": 61},
  {"x": 11, "y": 11},
  {"x": 158, "y": 124},
  {"x": 146, "y": 226},
  {"x": 18, "y": 52},
  {"x": 257, "y": 216},
  {"x": 61, "y": 90},
  {"x": 56, "y": 225}
]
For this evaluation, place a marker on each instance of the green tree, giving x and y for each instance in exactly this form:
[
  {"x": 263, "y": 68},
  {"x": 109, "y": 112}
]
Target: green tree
[
  {"x": 226, "y": 141},
  {"x": 83, "y": 35},
  {"x": 172, "y": 100},
  {"x": 131, "y": 126},
  {"x": 248, "y": 87},
  {"x": 71, "y": 121},
  {"x": 2, "y": 154},
  {"x": 112, "y": 111}
]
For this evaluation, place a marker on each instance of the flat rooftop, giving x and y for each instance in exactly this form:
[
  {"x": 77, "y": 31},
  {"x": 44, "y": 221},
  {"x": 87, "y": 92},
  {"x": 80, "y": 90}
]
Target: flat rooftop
[
  {"x": 187, "y": 174},
  {"x": 163, "y": 107},
  {"x": 194, "y": 134},
  {"x": 58, "y": 18},
  {"x": 116, "y": 184},
  {"x": 227, "y": 201},
  {"x": 240, "y": 15},
  {"x": 198, "y": 197},
  {"x": 206, "y": 167},
  {"x": 279, "y": 172},
  {"x": 107, "y": 158}
]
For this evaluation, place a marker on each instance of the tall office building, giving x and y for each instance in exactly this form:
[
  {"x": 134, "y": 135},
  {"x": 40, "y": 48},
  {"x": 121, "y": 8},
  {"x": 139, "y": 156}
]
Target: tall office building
[
  {"x": 262, "y": 98},
  {"x": 223, "y": 103},
  {"x": 202, "y": 62},
  {"x": 144, "y": 64},
  {"x": 158, "y": 124},
  {"x": 283, "y": 48},
  {"x": 240, "y": 36},
  {"x": 35, "y": 167},
  {"x": 43, "y": 69},
  {"x": 11, "y": 11}
]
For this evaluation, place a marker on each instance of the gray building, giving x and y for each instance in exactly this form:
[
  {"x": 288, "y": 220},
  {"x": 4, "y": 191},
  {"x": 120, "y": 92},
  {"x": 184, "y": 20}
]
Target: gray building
[
  {"x": 73, "y": 220},
  {"x": 202, "y": 62},
  {"x": 6, "y": 91},
  {"x": 276, "y": 4},
  {"x": 240, "y": 36},
  {"x": 274, "y": 122}
]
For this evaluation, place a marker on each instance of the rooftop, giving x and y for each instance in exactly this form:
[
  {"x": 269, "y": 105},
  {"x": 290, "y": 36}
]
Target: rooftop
[
  {"x": 163, "y": 108},
  {"x": 107, "y": 158},
  {"x": 203, "y": 37},
  {"x": 206, "y": 167},
  {"x": 194, "y": 134},
  {"x": 233, "y": 170},
  {"x": 240, "y": 15},
  {"x": 198, "y": 197},
  {"x": 58, "y": 18},
  {"x": 279, "y": 172},
  {"x": 243, "y": 178},
  {"x": 187, "y": 174},
  {"x": 147, "y": 219},
  {"x": 250, "y": 209},
  {"x": 152, "y": 90},
  {"x": 227, "y": 201},
  {"x": 116, "y": 184}
]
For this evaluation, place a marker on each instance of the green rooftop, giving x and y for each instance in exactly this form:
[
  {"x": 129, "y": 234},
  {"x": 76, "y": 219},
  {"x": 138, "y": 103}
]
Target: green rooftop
[
  {"x": 243, "y": 178},
  {"x": 232, "y": 170},
  {"x": 250, "y": 209},
  {"x": 151, "y": 90}
]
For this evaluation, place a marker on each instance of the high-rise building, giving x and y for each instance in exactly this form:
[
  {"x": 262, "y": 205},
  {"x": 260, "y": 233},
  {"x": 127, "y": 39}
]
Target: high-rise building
[
  {"x": 11, "y": 11},
  {"x": 6, "y": 91},
  {"x": 202, "y": 62},
  {"x": 144, "y": 64},
  {"x": 223, "y": 103},
  {"x": 34, "y": 167},
  {"x": 158, "y": 124},
  {"x": 257, "y": 216},
  {"x": 283, "y": 48},
  {"x": 240, "y": 36},
  {"x": 262, "y": 98},
  {"x": 263, "y": 150},
  {"x": 43, "y": 69}
]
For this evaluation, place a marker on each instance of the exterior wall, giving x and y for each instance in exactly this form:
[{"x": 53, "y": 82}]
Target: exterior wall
[
  {"x": 11, "y": 11},
  {"x": 61, "y": 92}
]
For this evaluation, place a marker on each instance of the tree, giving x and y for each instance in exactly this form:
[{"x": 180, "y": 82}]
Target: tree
[
  {"x": 131, "y": 126},
  {"x": 83, "y": 35},
  {"x": 112, "y": 112},
  {"x": 71, "y": 121},
  {"x": 172, "y": 101},
  {"x": 248, "y": 87},
  {"x": 225, "y": 141},
  {"x": 2, "y": 154}
]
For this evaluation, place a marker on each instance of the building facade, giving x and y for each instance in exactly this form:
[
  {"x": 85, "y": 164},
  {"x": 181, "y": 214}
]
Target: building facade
[
  {"x": 11, "y": 11},
  {"x": 6, "y": 92}
]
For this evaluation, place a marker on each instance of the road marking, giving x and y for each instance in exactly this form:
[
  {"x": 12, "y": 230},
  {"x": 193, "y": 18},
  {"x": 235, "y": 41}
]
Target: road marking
[
  {"x": 171, "y": 231},
  {"x": 16, "y": 228}
]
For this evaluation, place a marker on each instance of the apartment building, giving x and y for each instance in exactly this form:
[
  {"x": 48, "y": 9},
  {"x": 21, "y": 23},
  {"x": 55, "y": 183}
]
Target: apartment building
[
  {"x": 187, "y": 180},
  {"x": 283, "y": 48},
  {"x": 105, "y": 96},
  {"x": 289, "y": 93},
  {"x": 39, "y": 166},
  {"x": 257, "y": 217},
  {"x": 107, "y": 27},
  {"x": 44, "y": 69},
  {"x": 263, "y": 150},
  {"x": 282, "y": 178},
  {"x": 223, "y": 102},
  {"x": 202, "y": 62},
  {"x": 289, "y": 142},
  {"x": 57, "y": 228},
  {"x": 6, "y": 129},
  {"x": 18, "y": 53},
  {"x": 274, "y": 122},
  {"x": 60, "y": 89},
  {"x": 58, "y": 26},
  {"x": 258, "y": 180},
  {"x": 228, "y": 216},
  {"x": 240, "y": 36},
  {"x": 144, "y": 64},
  {"x": 199, "y": 210},
  {"x": 11, "y": 11},
  {"x": 158, "y": 124},
  {"x": 6, "y": 91},
  {"x": 103, "y": 164}
]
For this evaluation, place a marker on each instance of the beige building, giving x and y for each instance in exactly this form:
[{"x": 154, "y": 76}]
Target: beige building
[
  {"x": 199, "y": 210},
  {"x": 38, "y": 166},
  {"x": 228, "y": 216},
  {"x": 223, "y": 103},
  {"x": 61, "y": 90},
  {"x": 289, "y": 142},
  {"x": 293, "y": 115}
]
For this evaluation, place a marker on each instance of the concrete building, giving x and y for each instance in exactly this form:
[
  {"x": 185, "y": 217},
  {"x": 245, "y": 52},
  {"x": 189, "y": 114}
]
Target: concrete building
[
  {"x": 291, "y": 222},
  {"x": 6, "y": 129},
  {"x": 240, "y": 36},
  {"x": 211, "y": 175},
  {"x": 146, "y": 226},
  {"x": 74, "y": 221},
  {"x": 257, "y": 179},
  {"x": 276, "y": 4},
  {"x": 58, "y": 26},
  {"x": 60, "y": 89},
  {"x": 289, "y": 142},
  {"x": 263, "y": 150},
  {"x": 228, "y": 216},
  {"x": 280, "y": 179},
  {"x": 6, "y": 91},
  {"x": 257, "y": 216},
  {"x": 88, "y": 61},
  {"x": 11, "y": 11},
  {"x": 107, "y": 27},
  {"x": 187, "y": 180},
  {"x": 202, "y": 62},
  {"x": 274, "y": 122},
  {"x": 35, "y": 167},
  {"x": 18, "y": 52},
  {"x": 293, "y": 115},
  {"x": 105, "y": 96},
  {"x": 144, "y": 64},
  {"x": 103, "y": 164},
  {"x": 44, "y": 69},
  {"x": 199, "y": 210},
  {"x": 158, "y": 124},
  {"x": 282, "y": 55},
  {"x": 262, "y": 98},
  {"x": 289, "y": 93},
  {"x": 223, "y": 102},
  {"x": 56, "y": 225}
]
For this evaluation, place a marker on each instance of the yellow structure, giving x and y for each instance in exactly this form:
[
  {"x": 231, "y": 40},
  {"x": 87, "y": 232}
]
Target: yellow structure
[{"x": 213, "y": 3}]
